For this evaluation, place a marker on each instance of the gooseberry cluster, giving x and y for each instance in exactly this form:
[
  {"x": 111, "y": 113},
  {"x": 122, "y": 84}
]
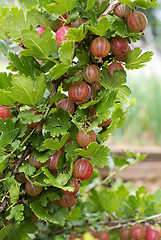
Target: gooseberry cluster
[{"x": 139, "y": 232}]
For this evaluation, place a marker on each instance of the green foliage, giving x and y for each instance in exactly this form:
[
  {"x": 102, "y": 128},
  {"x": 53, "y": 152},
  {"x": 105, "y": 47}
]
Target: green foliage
[{"x": 39, "y": 76}]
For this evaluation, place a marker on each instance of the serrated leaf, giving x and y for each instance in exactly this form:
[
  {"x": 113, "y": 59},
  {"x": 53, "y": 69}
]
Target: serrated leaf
[
  {"x": 58, "y": 123},
  {"x": 5, "y": 231},
  {"x": 8, "y": 132},
  {"x": 74, "y": 214},
  {"x": 50, "y": 194},
  {"x": 136, "y": 60},
  {"x": 41, "y": 48},
  {"x": 58, "y": 70},
  {"x": 123, "y": 92},
  {"x": 140, "y": 3},
  {"x": 98, "y": 154},
  {"x": 14, "y": 193},
  {"x": 76, "y": 34},
  {"x": 66, "y": 53},
  {"x": 90, "y": 4},
  {"x": 64, "y": 6},
  {"x": 27, "y": 117},
  {"x": 4, "y": 48},
  {"x": 27, "y": 91},
  {"x": 55, "y": 144},
  {"x": 16, "y": 212},
  {"x": 118, "y": 79},
  {"x": 27, "y": 169}
]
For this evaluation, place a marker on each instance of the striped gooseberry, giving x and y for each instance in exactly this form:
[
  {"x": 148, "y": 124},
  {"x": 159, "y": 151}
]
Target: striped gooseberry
[
  {"x": 75, "y": 184},
  {"x": 53, "y": 160},
  {"x": 137, "y": 232},
  {"x": 91, "y": 73},
  {"x": 82, "y": 169},
  {"x": 122, "y": 11},
  {"x": 124, "y": 233},
  {"x": 152, "y": 234},
  {"x": 114, "y": 66},
  {"x": 32, "y": 189},
  {"x": 100, "y": 47},
  {"x": 67, "y": 104},
  {"x": 120, "y": 48},
  {"x": 67, "y": 200},
  {"x": 137, "y": 21},
  {"x": 60, "y": 34},
  {"x": 5, "y": 112},
  {"x": 33, "y": 162},
  {"x": 84, "y": 139},
  {"x": 79, "y": 92}
]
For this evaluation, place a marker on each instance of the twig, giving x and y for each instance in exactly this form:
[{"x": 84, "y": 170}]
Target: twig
[
  {"x": 111, "y": 176},
  {"x": 116, "y": 224},
  {"x": 110, "y": 8},
  {"x": 20, "y": 161}
]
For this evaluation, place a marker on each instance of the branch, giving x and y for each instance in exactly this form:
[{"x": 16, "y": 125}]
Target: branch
[
  {"x": 110, "y": 8},
  {"x": 116, "y": 223}
]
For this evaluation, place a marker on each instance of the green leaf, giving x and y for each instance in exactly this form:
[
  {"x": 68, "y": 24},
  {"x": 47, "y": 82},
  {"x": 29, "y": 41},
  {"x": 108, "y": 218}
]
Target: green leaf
[
  {"x": 66, "y": 53},
  {"x": 74, "y": 214},
  {"x": 118, "y": 79},
  {"x": 90, "y": 4},
  {"x": 27, "y": 169},
  {"x": 64, "y": 6},
  {"x": 140, "y": 3},
  {"x": 58, "y": 123},
  {"x": 27, "y": 91},
  {"x": 16, "y": 212},
  {"x": 14, "y": 193},
  {"x": 49, "y": 194},
  {"x": 58, "y": 70},
  {"x": 70, "y": 151},
  {"x": 4, "y": 48},
  {"x": 8, "y": 132},
  {"x": 123, "y": 92},
  {"x": 41, "y": 48},
  {"x": 27, "y": 117},
  {"x": 55, "y": 144},
  {"x": 135, "y": 59},
  {"x": 98, "y": 154},
  {"x": 5, "y": 231},
  {"x": 120, "y": 161},
  {"x": 101, "y": 27},
  {"x": 76, "y": 34}
]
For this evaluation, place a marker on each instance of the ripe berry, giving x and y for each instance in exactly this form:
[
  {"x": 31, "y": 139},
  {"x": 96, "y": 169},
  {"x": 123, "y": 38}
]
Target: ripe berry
[
  {"x": 5, "y": 112},
  {"x": 84, "y": 139},
  {"x": 120, "y": 48},
  {"x": 40, "y": 30},
  {"x": 114, "y": 66},
  {"x": 79, "y": 92},
  {"x": 105, "y": 123},
  {"x": 67, "y": 200},
  {"x": 100, "y": 47},
  {"x": 137, "y": 21},
  {"x": 75, "y": 183},
  {"x": 137, "y": 232},
  {"x": 20, "y": 177},
  {"x": 33, "y": 162},
  {"x": 67, "y": 104},
  {"x": 91, "y": 73},
  {"x": 60, "y": 35},
  {"x": 124, "y": 233},
  {"x": 53, "y": 160},
  {"x": 32, "y": 189},
  {"x": 82, "y": 169},
  {"x": 152, "y": 235},
  {"x": 102, "y": 235},
  {"x": 122, "y": 11}
]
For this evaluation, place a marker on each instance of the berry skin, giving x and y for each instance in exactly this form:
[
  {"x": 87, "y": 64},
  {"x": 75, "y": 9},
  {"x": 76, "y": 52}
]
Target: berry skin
[
  {"x": 122, "y": 11},
  {"x": 100, "y": 47},
  {"x": 82, "y": 169},
  {"x": 5, "y": 113},
  {"x": 137, "y": 232},
  {"x": 40, "y": 30},
  {"x": 137, "y": 22},
  {"x": 84, "y": 139},
  {"x": 152, "y": 234},
  {"x": 60, "y": 35},
  {"x": 114, "y": 66},
  {"x": 92, "y": 73},
  {"x": 66, "y": 104},
  {"x": 32, "y": 189}
]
